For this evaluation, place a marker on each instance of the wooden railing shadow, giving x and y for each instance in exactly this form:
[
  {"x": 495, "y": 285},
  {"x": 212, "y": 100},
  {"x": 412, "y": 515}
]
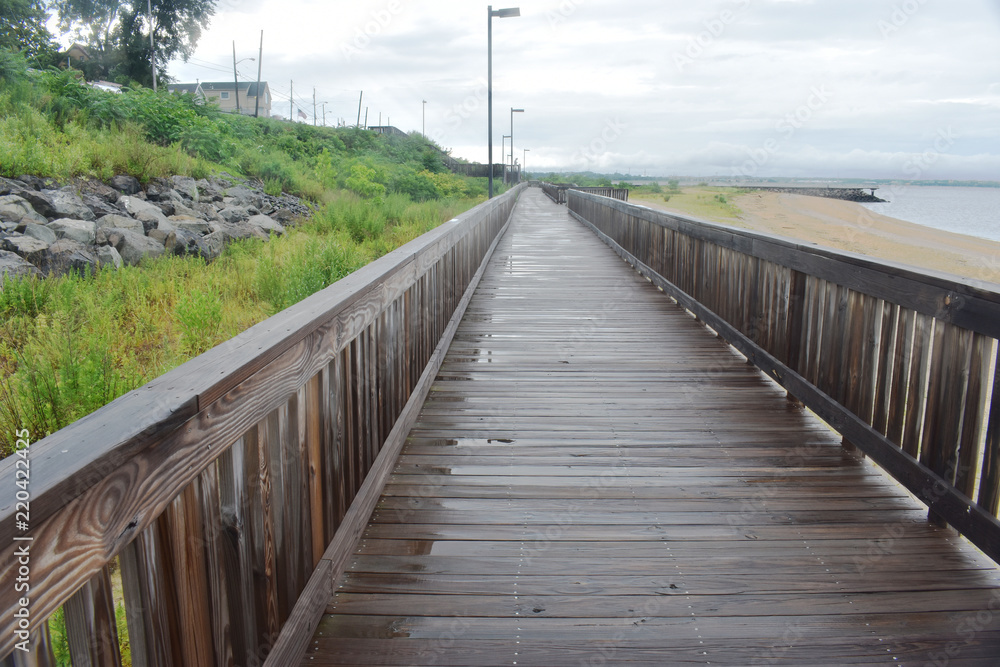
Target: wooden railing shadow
[
  {"x": 230, "y": 491},
  {"x": 900, "y": 361}
]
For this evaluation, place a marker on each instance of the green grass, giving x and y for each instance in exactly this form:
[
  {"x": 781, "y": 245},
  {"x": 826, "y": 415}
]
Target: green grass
[{"x": 710, "y": 203}]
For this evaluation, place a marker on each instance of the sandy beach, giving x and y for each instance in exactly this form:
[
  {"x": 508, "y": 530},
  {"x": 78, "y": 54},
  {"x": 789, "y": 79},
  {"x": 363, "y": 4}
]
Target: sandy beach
[{"x": 849, "y": 226}]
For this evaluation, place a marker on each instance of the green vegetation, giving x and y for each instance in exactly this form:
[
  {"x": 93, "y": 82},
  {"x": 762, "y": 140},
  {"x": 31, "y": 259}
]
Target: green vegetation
[
  {"x": 710, "y": 203},
  {"x": 69, "y": 345}
]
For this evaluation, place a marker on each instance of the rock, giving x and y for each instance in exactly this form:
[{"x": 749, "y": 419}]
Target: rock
[
  {"x": 149, "y": 214},
  {"x": 68, "y": 256},
  {"x": 36, "y": 183},
  {"x": 284, "y": 216},
  {"x": 159, "y": 235},
  {"x": 68, "y": 204},
  {"x": 125, "y": 184},
  {"x": 211, "y": 245},
  {"x": 208, "y": 212},
  {"x": 242, "y": 230},
  {"x": 182, "y": 241},
  {"x": 133, "y": 247},
  {"x": 121, "y": 222},
  {"x": 40, "y": 232},
  {"x": 41, "y": 202},
  {"x": 181, "y": 208},
  {"x": 82, "y": 231},
  {"x": 99, "y": 190},
  {"x": 207, "y": 191},
  {"x": 190, "y": 224},
  {"x": 158, "y": 190},
  {"x": 98, "y": 206},
  {"x": 17, "y": 209},
  {"x": 266, "y": 224},
  {"x": 27, "y": 247},
  {"x": 166, "y": 207},
  {"x": 233, "y": 213},
  {"x": 108, "y": 256},
  {"x": 244, "y": 196},
  {"x": 9, "y": 187},
  {"x": 13, "y": 265},
  {"x": 185, "y": 186}
]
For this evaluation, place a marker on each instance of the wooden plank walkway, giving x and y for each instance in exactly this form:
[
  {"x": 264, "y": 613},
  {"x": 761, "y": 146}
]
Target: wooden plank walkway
[{"x": 597, "y": 479}]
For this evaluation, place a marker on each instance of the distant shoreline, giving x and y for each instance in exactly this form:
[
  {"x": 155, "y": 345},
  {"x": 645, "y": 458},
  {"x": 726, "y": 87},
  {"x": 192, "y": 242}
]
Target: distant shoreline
[{"x": 849, "y": 226}]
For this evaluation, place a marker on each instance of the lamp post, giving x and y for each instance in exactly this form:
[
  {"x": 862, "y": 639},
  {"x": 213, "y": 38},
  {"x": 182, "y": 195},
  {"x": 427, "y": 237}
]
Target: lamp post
[
  {"x": 423, "y": 120},
  {"x": 500, "y": 14},
  {"x": 524, "y": 161}
]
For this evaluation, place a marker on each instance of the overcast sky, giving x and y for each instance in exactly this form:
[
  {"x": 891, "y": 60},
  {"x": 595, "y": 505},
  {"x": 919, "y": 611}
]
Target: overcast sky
[{"x": 827, "y": 88}]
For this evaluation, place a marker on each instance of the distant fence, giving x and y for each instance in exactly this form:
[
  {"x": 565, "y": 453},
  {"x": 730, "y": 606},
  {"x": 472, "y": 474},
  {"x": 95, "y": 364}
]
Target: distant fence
[
  {"x": 557, "y": 193},
  {"x": 230, "y": 492},
  {"x": 900, "y": 361}
]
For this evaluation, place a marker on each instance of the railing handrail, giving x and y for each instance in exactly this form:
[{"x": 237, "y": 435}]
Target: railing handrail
[
  {"x": 111, "y": 474},
  {"x": 899, "y": 360}
]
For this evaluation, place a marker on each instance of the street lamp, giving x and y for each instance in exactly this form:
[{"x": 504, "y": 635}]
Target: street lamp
[
  {"x": 423, "y": 121},
  {"x": 500, "y": 14},
  {"x": 524, "y": 161},
  {"x": 512, "y": 112}
]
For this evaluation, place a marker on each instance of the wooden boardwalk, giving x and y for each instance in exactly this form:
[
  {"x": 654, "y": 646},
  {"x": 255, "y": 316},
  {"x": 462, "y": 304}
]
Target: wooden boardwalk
[{"x": 597, "y": 479}]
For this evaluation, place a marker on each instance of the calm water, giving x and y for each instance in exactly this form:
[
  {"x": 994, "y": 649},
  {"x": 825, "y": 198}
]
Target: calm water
[{"x": 972, "y": 211}]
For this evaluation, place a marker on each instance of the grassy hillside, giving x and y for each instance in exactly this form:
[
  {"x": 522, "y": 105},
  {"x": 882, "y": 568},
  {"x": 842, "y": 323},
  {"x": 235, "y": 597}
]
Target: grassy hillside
[{"x": 69, "y": 345}]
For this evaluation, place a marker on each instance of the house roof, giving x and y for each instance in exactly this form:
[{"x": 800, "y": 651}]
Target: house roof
[
  {"x": 193, "y": 88},
  {"x": 78, "y": 51},
  {"x": 246, "y": 87}
]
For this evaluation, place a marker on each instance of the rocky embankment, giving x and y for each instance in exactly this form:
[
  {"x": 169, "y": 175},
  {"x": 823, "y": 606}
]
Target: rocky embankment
[
  {"x": 860, "y": 195},
  {"x": 46, "y": 229}
]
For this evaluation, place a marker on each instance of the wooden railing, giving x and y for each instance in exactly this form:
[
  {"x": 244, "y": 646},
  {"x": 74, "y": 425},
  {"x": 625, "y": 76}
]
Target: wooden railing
[
  {"x": 557, "y": 192},
  {"x": 227, "y": 494},
  {"x": 902, "y": 362}
]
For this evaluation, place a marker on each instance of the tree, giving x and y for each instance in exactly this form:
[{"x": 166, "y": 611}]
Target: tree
[
  {"x": 117, "y": 33},
  {"x": 22, "y": 28}
]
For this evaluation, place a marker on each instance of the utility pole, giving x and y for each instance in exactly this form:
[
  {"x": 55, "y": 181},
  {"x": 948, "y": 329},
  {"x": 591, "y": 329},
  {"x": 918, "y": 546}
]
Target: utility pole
[
  {"x": 152, "y": 44},
  {"x": 423, "y": 120},
  {"x": 291, "y": 100},
  {"x": 366, "y": 118},
  {"x": 260, "y": 62},
  {"x": 324, "y": 114},
  {"x": 236, "y": 81},
  {"x": 358, "y": 124},
  {"x": 314, "y": 107}
]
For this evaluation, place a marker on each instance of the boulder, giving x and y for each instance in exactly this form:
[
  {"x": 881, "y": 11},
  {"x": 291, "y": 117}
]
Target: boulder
[
  {"x": 40, "y": 232},
  {"x": 284, "y": 216},
  {"x": 36, "y": 183},
  {"x": 68, "y": 256},
  {"x": 211, "y": 245},
  {"x": 99, "y": 190},
  {"x": 68, "y": 204},
  {"x": 159, "y": 235},
  {"x": 125, "y": 184},
  {"x": 41, "y": 202},
  {"x": 82, "y": 231},
  {"x": 10, "y": 187},
  {"x": 13, "y": 265},
  {"x": 17, "y": 209},
  {"x": 149, "y": 214},
  {"x": 266, "y": 224},
  {"x": 208, "y": 191},
  {"x": 208, "y": 212},
  {"x": 133, "y": 247},
  {"x": 108, "y": 256},
  {"x": 121, "y": 222},
  {"x": 181, "y": 242},
  {"x": 27, "y": 247},
  {"x": 158, "y": 190},
  {"x": 182, "y": 208},
  {"x": 244, "y": 196},
  {"x": 189, "y": 223},
  {"x": 185, "y": 186},
  {"x": 234, "y": 213},
  {"x": 242, "y": 230}
]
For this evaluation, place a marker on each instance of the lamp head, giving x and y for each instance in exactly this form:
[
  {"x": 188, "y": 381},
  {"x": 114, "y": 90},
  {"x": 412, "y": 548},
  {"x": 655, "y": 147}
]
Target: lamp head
[{"x": 505, "y": 13}]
